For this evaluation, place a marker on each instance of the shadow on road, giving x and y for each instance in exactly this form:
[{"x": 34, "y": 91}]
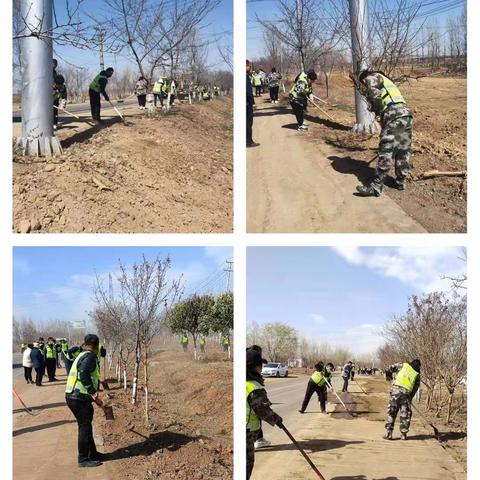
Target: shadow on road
[
  {"x": 42, "y": 407},
  {"x": 273, "y": 111},
  {"x": 350, "y": 166},
  {"x": 166, "y": 440},
  {"x": 327, "y": 123},
  {"x": 362, "y": 477},
  {"x": 44, "y": 426},
  {"x": 290, "y": 126},
  {"x": 313, "y": 445}
]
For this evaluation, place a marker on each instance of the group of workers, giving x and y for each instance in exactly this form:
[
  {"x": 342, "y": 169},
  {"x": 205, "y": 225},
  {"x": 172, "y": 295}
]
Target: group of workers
[
  {"x": 386, "y": 102},
  {"x": 405, "y": 384},
  {"x": 161, "y": 90},
  {"x": 82, "y": 364},
  {"x": 202, "y": 342}
]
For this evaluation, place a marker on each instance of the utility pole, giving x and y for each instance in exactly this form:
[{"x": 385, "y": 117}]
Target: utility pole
[
  {"x": 101, "y": 41},
  {"x": 37, "y": 80},
  {"x": 229, "y": 271},
  {"x": 366, "y": 122}
]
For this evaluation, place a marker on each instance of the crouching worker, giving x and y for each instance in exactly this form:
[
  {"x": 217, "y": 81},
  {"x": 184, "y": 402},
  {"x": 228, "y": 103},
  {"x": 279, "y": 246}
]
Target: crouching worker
[
  {"x": 81, "y": 391},
  {"x": 316, "y": 384},
  {"x": 258, "y": 405},
  {"x": 404, "y": 388},
  {"x": 387, "y": 102}
]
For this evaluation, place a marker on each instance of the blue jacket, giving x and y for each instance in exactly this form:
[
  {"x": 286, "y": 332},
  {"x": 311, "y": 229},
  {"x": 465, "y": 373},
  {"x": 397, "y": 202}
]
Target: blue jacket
[{"x": 37, "y": 358}]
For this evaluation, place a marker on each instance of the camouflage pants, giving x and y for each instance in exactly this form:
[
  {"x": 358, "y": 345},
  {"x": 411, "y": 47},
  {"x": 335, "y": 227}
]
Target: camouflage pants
[
  {"x": 251, "y": 437},
  {"x": 399, "y": 401},
  {"x": 394, "y": 151}
]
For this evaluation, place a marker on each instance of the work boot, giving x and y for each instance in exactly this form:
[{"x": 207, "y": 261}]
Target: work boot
[
  {"x": 261, "y": 443},
  {"x": 302, "y": 128},
  {"x": 97, "y": 456},
  {"x": 301, "y": 411},
  {"x": 367, "y": 191},
  {"x": 252, "y": 144},
  {"x": 89, "y": 463},
  {"x": 399, "y": 185},
  {"x": 388, "y": 435},
  {"x": 403, "y": 435}
]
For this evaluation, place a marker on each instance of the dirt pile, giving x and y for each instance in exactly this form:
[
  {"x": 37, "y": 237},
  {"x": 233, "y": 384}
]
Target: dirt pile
[
  {"x": 191, "y": 422},
  {"x": 439, "y": 142},
  {"x": 168, "y": 173}
]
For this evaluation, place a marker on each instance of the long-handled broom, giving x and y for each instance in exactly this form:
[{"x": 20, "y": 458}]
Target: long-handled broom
[
  {"x": 352, "y": 414},
  {"x": 302, "y": 451},
  {"x": 435, "y": 429}
]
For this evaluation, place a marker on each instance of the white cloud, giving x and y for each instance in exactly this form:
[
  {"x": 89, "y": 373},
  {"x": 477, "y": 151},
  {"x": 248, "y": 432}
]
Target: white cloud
[
  {"x": 422, "y": 268},
  {"x": 318, "y": 318}
]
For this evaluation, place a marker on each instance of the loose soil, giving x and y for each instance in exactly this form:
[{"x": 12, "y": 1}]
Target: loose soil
[
  {"x": 439, "y": 106},
  {"x": 191, "y": 422},
  {"x": 167, "y": 173}
]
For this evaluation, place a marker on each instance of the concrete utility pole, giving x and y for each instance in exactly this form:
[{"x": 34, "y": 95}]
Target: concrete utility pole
[
  {"x": 359, "y": 31},
  {"x": 37, "y": 80},
  {"x": 229, "y": 271}
]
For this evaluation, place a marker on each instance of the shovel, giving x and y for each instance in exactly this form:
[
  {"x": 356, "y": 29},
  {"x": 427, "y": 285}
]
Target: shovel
[
  {"x": 108, "y": 411},
  {"x": 117, "y": 110},
  {"x": 358, "y": 385},
  {"x": 27, "y": 409},
  {"x": 322, "y": 110},
  {"x": 71, "y": 114},
  {"x": 435, "y": 429},
  {"x": 340, "y": 400},
  {"x": 300, "y": 449}
]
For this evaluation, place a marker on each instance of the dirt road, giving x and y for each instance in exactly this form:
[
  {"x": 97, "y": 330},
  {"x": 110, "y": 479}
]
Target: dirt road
[
  {"x": 295, "y": 186},
  {"x": 344, "y": 448}
]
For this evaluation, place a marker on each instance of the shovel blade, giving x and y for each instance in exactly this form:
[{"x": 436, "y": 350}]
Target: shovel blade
[
  {"x": 108, "y": 410},
  {"x": 105, "y": 385}
]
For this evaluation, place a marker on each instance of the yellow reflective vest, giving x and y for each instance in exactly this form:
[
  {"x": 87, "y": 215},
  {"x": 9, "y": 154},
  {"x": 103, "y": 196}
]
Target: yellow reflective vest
[
  {"x": 157, "y": 87},
  {"x": 307, "y": 90},
  {"x": 406, "y": 377},
  {"x": 50, "y": 351},
  {"x": 253, "y": 420},
  {"x": 95, "y": 85},
  {"x": 318, "y": 378},
  {"x": 74, "y": 382},
  {"x": 390, "y": 93}
]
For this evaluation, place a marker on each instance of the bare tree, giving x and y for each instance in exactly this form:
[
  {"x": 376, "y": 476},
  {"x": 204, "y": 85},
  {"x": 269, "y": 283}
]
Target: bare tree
[{"x": 152, "y": 33}]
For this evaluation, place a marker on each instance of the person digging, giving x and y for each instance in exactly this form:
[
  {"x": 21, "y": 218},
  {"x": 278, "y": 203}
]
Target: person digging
[{"x": 386, "y": 101}]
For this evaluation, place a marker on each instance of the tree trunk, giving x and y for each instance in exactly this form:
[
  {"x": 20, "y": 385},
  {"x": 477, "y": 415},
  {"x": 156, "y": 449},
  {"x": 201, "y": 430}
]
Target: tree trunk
[
  {"x": 326, "y": 83},
  {"x": 147, "y": 420},
  {"x": 124, "y": 376},
  {"x": 194, "y": 347},
  {"x": 450, "y": 403}
]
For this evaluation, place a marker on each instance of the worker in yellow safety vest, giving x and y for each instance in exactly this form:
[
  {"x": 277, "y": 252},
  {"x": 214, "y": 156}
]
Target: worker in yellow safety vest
[
  {"x": 202, "y": 341},
  {"x": 184, "y": 342},
  {"x": 51, "y": 353},
  {"x": 226, "y": 342},
  {"x": 299, "y": 95},
  {"x": 396, "y": 119},
  {"x": 158, "y": 91},
  {"x": 258, "y": 405},
  {"x": 317, "y": 383},
  {"x": 404, "y": 388},
  {"x": 98, "y": 86},
  {"x": 82, "y": 389}
]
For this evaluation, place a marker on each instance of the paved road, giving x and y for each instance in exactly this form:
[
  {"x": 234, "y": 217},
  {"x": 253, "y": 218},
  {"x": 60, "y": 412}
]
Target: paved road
[
  {"x": 17, "y": 365},
  {"x": 297, "y": 186},
  {"x": 79, "y": 109},
  {"x": 342, "y": 447}
]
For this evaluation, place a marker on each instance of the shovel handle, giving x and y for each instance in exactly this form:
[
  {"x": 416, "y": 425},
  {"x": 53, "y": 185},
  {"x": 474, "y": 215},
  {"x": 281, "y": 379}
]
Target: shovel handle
[{"x": 300, "y": 449}]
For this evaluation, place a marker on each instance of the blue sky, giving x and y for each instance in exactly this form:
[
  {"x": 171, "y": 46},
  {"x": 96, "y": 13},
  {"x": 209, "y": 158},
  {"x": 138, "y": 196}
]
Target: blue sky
[
  {"x": 220, "y": 20},
  {"x": 342, "y": 296},
  {"x": 56, "y": 282},
  {"x": 266, "y": 9}
]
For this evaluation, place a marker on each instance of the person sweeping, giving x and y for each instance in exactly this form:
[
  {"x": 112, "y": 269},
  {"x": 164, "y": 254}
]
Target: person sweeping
[{"x": 298, "y": 96}]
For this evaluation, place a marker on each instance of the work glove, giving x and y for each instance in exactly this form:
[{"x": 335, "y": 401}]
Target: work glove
[
  {"x": 106, "y": 97},
  {"x": 279, "y": 421},
  {"x": 63, "y": 103}
]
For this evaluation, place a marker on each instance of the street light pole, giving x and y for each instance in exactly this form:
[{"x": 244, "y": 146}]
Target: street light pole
[
  {"x": 37, "y": 80},
  {"x": 365, "y": 120}
]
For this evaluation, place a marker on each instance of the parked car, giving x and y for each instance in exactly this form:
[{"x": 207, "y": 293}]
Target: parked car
[{"x": 275, "y": 370}]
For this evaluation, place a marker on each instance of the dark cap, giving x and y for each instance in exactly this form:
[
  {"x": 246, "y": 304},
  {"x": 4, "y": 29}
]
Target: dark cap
[
  {"x": 254, "y": 359},
  {"x": 312, "y": 75},
  {"x": 258, "y": 349}
]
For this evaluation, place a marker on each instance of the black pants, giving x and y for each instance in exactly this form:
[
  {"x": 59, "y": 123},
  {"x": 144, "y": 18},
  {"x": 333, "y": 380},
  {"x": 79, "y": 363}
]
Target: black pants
[
  {"x": 56, "y": 103},
  {"x": 172, "y": 99},
  {"x": 95, "y": 105},
  {"x": 27, "y": 371},
  {"x": 83, "y": 412},
  {"x": 258, "y": 90},
  {"x": 274, "y": 93},
  {"x": 249, "y": 123},
  {"x": 38, "y": 376},
  {"x": 321, "y": 391},
  {"x": 251, "y": 437},
  {"x": 51, "y": 368},
  {"x": 68, "y": 365},
  {"x": 345, "y": 384},
  {"x": 142, "y": 100},
  {"x": 158, "y": 96},
  {"x": 298, "y": 111}
]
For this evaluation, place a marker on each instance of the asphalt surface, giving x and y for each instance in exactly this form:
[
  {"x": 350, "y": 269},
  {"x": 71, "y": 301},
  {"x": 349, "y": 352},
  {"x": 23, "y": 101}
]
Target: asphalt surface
[{"x": 79, "y": 108}]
